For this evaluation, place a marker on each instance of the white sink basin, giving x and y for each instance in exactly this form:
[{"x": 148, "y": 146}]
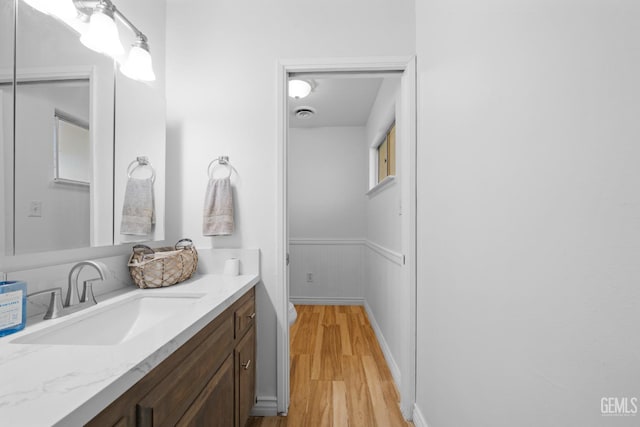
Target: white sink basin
[{"x": 114, "y": 323}]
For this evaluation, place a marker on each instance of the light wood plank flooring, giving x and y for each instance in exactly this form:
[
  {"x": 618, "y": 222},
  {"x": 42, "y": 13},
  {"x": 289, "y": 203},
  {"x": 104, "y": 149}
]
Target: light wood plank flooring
[{"x": 339, "y": 376}]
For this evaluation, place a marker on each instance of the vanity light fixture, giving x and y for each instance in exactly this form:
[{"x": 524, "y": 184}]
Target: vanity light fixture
[
  {"x": 299, "y": 89},
  {"x": 96, "y": 23}
]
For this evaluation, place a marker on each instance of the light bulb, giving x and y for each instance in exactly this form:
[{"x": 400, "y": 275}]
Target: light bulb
[
  {"x": 139, "y": 65},
  {"x": 102, "y": 34}
]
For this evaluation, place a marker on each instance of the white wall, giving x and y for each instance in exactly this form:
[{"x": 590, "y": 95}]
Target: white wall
[
  {"x": 141, "y": 120},
  {"x": 528, "y": 211},
  {"x": 383, "y": 208},
  {"x": 221, "y": 91},
  {"x": 327, "y": 181},
  {"x": 385, "y": 290}
]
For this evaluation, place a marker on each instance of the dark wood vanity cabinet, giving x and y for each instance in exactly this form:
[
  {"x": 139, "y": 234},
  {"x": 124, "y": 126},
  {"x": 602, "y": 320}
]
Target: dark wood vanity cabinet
[{"x": 209, "y": 381}]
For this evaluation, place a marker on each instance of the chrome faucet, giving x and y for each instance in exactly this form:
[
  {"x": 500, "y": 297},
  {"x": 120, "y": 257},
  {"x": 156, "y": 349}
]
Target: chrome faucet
[
  {"x": 73, "y": 297},
  {"x": 56, "y": 308}
]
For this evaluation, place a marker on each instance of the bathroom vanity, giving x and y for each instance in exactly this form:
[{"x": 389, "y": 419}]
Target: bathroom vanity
[
  {"x": 188, "y": 360},
  {"x": 208, "y": 381}
]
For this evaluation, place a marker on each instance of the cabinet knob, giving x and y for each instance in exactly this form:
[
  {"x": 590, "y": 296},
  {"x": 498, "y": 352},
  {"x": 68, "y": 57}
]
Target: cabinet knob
[
  {"x": 252, "y": 315},
  {"x": 246, "y": 364}
]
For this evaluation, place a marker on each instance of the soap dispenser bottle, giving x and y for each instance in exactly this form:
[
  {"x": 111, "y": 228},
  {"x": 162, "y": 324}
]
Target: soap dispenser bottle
[{"x": 13, "y": 306}]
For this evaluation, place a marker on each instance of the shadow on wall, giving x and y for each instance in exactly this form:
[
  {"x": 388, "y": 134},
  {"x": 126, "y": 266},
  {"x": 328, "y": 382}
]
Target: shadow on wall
[{"x": 175, "y": 176}]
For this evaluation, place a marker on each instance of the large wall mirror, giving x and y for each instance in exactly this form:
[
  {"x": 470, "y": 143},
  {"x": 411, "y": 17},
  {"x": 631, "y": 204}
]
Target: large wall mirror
[{"x": 70, "y": 125}]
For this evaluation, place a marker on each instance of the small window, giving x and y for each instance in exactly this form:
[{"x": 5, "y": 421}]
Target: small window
[
  {"x": 72, "y": 150},
  {"x": 387, "y": 155}
]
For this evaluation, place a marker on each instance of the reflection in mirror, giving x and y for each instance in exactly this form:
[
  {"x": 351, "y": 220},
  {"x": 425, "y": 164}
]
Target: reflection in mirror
[
  {"x": 48, "y": 216},
  {"x": 72, "y": 150},
  {"x": 6, "y": 125},
  {"x": 55, "y": 72},
  {"x": 57, "y": 77}
]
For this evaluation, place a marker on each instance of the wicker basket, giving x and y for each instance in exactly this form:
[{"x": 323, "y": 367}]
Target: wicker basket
[{"x": 160, "y": 267}]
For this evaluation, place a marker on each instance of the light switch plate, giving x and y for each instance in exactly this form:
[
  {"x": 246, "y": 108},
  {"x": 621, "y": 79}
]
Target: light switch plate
[{"x": 35, "y": 209}]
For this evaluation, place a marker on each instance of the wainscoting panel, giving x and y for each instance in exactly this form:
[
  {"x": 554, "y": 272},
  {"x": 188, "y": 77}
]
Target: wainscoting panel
[
  {"x": 385, "y": 300},
  {"x": 336, "y": 268}
]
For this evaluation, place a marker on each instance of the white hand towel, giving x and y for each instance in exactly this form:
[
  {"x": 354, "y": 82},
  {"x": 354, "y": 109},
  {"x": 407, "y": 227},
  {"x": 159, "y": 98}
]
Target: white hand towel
[
  {"x": 137, "y": 211},
  {"x": 218, "y": 208}
]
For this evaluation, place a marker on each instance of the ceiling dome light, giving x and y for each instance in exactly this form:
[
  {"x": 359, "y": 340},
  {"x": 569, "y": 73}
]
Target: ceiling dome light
[
  {"x": 102, "y": 35},
  {"x": 139, "y": 65},
  {"x": 299, "y": 89}
]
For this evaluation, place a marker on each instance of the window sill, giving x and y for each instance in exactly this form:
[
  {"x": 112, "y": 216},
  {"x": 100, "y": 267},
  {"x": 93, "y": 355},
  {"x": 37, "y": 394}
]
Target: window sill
[{"x": 381, "y": 185}]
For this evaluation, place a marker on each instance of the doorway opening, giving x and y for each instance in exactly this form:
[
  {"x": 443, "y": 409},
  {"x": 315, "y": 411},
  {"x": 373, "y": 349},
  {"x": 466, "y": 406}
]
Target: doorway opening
[{"x": 394, "y": 323}]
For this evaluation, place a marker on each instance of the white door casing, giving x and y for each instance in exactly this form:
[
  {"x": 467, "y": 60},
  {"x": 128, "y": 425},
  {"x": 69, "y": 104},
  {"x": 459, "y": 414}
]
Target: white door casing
[{"x": 407, "y": 65}]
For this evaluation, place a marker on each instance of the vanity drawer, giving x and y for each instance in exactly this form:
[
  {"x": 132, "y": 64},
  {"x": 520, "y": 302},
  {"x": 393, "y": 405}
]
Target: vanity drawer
[
  {"x": 245, "y": 314},
  {"x": 167, "y": 402}
]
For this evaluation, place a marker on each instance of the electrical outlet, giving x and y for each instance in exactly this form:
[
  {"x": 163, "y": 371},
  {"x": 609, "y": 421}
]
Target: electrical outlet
[
  {"x": 309, "y": 277},
  {"x": 35, "y": 209}
]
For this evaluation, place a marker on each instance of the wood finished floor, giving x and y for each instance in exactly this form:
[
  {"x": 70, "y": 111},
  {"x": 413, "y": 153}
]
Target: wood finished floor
[{"x": 339, "y": 376}]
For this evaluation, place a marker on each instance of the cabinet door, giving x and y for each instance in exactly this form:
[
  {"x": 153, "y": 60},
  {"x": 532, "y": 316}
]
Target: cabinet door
[
  {"x": 121, "y": 413},
  {"x": 214, "y": 405},
  {"x": 246, "y": 375},
  {"x": 173, "y": 394}
]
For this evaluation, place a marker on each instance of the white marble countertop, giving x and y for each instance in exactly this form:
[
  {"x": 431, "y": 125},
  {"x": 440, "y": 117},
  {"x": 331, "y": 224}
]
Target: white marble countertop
[{"x": 63, "y": 385}]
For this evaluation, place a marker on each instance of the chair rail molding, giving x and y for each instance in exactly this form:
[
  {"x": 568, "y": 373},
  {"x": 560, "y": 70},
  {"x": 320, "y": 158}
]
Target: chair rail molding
[
  {"x": 329, "y": 242},
  {"x": 393, "y": 256}
]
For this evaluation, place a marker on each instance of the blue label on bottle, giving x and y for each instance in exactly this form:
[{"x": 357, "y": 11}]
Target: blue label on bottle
[{"x": 10, "y": 309}]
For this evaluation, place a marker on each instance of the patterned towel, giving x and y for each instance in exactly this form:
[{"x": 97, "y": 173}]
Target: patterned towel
[
  {"x": 218, "y": 208},
  {"x": 137, "y": 211}
]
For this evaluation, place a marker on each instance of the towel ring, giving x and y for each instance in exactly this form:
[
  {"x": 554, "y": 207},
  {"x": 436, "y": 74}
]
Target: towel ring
[
  {"x": 222, "y": 161},
  {"x": 141, "y": 161}
]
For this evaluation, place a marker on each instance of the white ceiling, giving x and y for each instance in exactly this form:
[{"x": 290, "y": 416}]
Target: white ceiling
[{"x": 338, "y": 101}]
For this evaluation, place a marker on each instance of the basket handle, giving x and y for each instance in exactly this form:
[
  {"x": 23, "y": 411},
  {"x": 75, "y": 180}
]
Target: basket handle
[
  {"x": 184, "y": 243},
  {"x": 146, "y": 249}
]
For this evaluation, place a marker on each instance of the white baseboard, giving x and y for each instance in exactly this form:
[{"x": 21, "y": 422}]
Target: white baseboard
[
  {"x": 418, "y": 418},
  {"x": 393, "y": 366},
  {"x": 266, "y": 406},
  {"x": 326, "y": 301}
]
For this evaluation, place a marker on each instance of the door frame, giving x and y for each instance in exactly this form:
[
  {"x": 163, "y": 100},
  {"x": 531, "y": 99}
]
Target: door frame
[{"x": 407, "y": 65}]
